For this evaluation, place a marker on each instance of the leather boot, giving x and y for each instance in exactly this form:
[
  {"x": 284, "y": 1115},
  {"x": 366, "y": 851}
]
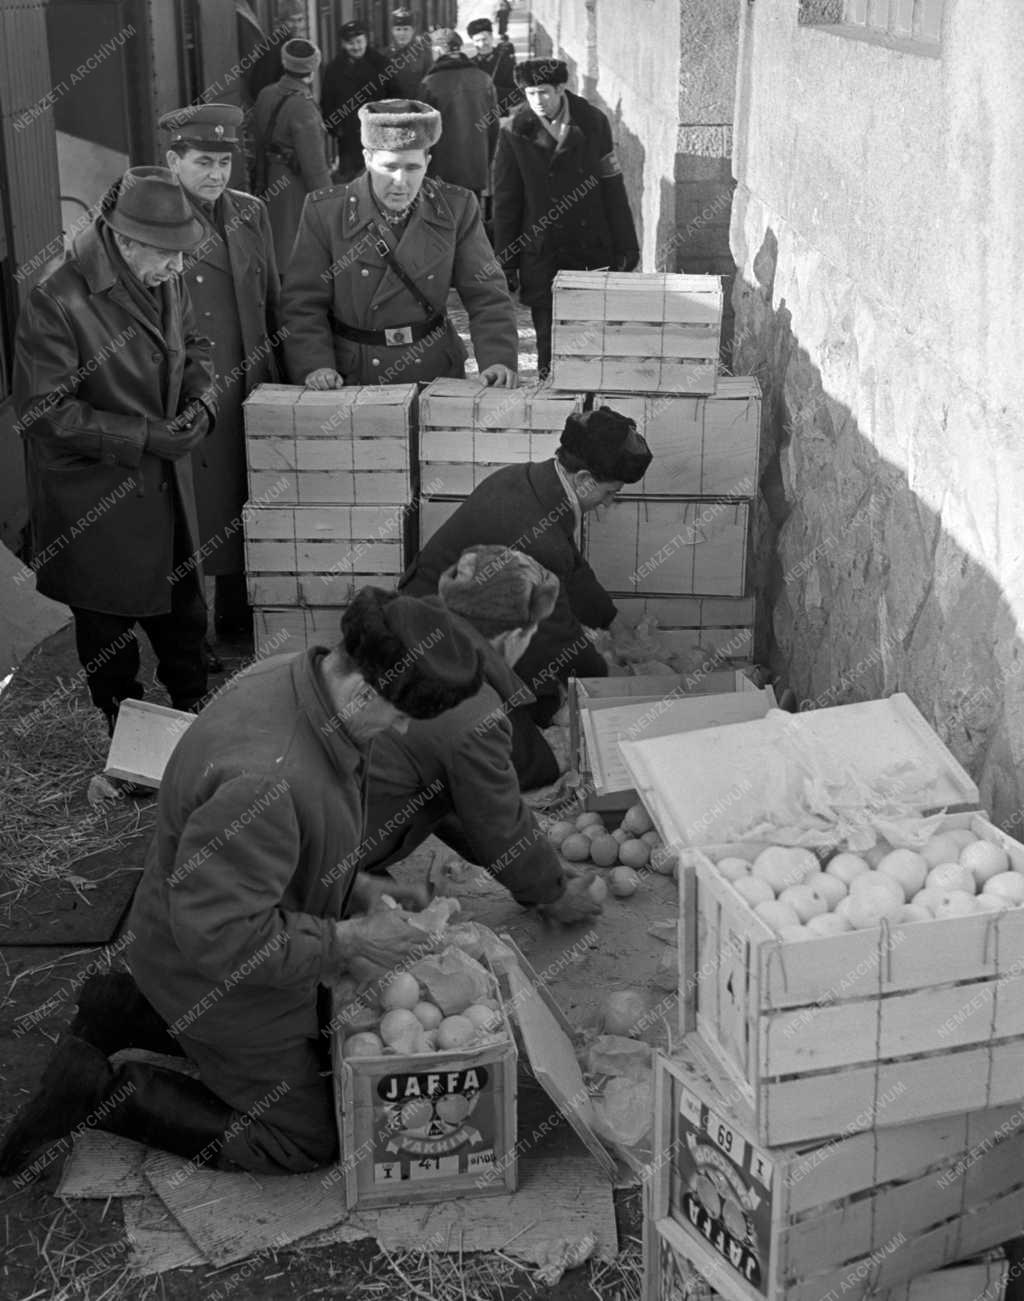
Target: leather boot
[
  {"x": 113, "y": 1013},
  {"x": 167, "y": 1110}
]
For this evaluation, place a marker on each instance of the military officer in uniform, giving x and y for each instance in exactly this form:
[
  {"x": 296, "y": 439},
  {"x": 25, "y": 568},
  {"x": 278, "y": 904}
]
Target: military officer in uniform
[
  {"x": 233, "y": 283},
  {"x": 366, "y": 291}
]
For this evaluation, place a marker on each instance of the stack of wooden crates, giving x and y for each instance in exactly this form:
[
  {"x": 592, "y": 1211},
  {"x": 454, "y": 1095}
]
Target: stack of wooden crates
[
  {"x": 330, "y": 488},
  {"x": 675, "y": 545}
]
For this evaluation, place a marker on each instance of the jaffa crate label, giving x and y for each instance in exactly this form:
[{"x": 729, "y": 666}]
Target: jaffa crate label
[
  {"x": 721, "y": 1187},
  {"x": 434, "y": 1124},
  {"x": 678, "y": 1280}
]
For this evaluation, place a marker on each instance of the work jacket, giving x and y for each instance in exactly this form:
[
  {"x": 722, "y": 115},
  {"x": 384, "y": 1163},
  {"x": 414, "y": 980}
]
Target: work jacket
[{"x": 464, "y": 96}]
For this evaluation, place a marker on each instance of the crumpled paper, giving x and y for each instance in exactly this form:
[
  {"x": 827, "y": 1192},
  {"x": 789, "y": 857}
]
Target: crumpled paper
[
  {"x": 625, "y": 1110},
  {"x": 564, "y": 1255},
  {"x": 453, "y": 979}
]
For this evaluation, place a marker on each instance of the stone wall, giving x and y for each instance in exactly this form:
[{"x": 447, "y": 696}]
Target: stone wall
[{"x": 878, "y": 235}]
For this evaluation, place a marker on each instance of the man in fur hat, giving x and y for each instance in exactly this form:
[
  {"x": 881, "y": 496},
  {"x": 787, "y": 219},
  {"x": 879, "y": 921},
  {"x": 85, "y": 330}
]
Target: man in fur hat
[
  {"x": 537, "y": 508},
  {"x": 459, "y": 776},
  {"x": 355, "y": 76},
  {"x": 366, "y": 291},
  {"x": 409, "y": 56},
  {"x": 559, "y": 199},
  {"x": 242, "y": 910},
  {"x": 498, "y": 61}
]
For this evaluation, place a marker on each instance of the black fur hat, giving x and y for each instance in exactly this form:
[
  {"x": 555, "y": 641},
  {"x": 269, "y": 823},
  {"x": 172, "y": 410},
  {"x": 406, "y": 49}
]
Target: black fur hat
[
  {"x": 410, "y": 652},
  {"x": 541, "y": 72},
  {"x": 605, "y": 443}
]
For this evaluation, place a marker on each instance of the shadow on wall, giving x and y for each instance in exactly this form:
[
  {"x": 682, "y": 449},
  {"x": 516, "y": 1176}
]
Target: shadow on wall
[{"x": 861, "y": 592}]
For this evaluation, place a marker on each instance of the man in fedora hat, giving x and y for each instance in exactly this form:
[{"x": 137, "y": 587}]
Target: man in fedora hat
[
  {"x": 366, "y": 292},
  {"x": 498, "y": 61},
  {"x": 113, "y": 383},
  {"x": 355, "y": 76},
  {"x": 232, "y": 280},
  {"x": 291, "y": 157},
  {"x": 559, "y": 198},
  {"x": 409, "y": 56}
]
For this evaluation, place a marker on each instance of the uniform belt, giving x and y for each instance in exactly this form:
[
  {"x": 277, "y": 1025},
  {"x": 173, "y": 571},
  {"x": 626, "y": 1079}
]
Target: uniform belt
[{"x": 390, "y": 338}]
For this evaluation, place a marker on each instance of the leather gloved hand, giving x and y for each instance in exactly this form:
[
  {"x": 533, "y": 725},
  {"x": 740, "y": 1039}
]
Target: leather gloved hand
[{"x": 169, "y": 440}]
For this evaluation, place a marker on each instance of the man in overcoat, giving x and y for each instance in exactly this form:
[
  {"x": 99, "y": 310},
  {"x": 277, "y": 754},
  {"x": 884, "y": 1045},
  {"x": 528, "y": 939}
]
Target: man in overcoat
[
  {"x": 498, "y": 61},
  {"x": 537, "y": 508},
  {"x": 242, "y": 910},
  {"x": 366, "y": 292},
  {"x": 559, "y": 198},
  {"x": 357, "y": 75},
  {"x": 464, "y": 96},
  {"x": 113, "y": 382},
  {"x": 232, "y": 281},
  {"x": 409, "y": 57},
  {"x": 291, "y": 156}
]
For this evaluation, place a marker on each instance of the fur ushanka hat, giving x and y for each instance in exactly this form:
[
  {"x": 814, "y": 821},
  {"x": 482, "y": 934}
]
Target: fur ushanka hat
[
  {"x": 541, "y": 72},
  {"x": 399, "y": 124}
]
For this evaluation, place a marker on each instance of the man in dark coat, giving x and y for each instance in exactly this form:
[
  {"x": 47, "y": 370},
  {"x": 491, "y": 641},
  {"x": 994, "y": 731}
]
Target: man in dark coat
[
  {"x": 232, "y": 280},
  {"x": 464, "y": 96},
  {"x": 114, "y": 388},
  {"x": 498, "y": 61},
  {"x": 409, "y": 56},
  {"x": 355, "y": 76},
  {"x": 537, "y": 508},
  {"x": 291, "y": 158},
  {"x": 350, "y": 316},
  {"x": 559, "y": 199},
  {"x": 238, "y": 916}
]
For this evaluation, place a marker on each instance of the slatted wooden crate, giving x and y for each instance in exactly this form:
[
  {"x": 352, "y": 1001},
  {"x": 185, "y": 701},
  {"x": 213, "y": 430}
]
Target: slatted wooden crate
[
  {"x": 277, "y": 631},
  {"x": 615, "y": 332},
  {"x": 468, "y": 430},
  {"x": 719, "y": 627},
  {"x": 350, "y": 445},
  {"x": 702, "y": 446},
  {"x": 861, "y": 1216},
  {"x": 674, "y": 546},
  {"x": 320, "y": 555}
]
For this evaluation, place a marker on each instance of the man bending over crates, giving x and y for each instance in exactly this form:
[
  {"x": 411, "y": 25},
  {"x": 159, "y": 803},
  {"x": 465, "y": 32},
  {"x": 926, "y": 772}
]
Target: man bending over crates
[
  {"x": 238, "y": 917},
  {"x": 538, "y": 508},
  {"x": 366, "y": 291}
]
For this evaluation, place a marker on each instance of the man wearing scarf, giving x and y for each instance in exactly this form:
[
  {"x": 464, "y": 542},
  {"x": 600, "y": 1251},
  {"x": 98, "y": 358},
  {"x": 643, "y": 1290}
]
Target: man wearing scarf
[
  {"x": 113, "y": 383},
  {"x": 232, "y": 281}
]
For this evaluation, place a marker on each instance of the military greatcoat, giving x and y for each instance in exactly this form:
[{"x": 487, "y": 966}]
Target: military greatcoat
[
  {"x": 338, "y": 271},
  {"x": 233, "y": 283},
  {"x": 300, "y": 131}
]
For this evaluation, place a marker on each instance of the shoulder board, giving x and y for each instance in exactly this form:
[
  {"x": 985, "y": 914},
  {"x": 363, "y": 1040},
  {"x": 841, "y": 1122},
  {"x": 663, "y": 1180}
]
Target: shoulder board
[{"x": 328, "y": 192}]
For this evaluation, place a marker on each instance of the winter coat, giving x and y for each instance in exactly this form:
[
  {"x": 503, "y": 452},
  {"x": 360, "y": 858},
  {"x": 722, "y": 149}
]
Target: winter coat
[
  {"x": 554, "y": 207},
  {"x": 461, "y": 763},
  {"x": 259, "y": 817},
  {"x": 347, "y": 85},
  {"x": 300, "y": 129},
  {"x": 407, "y": 65},
  {"x": 91, "y": 372},
  {"x": 525, "y": 507},
  {"x": 464, "y": 96},
  {"x": 337, "y": 269},
  {"x": 233, "y": 283},
  {"x": 500, "y": 66}
]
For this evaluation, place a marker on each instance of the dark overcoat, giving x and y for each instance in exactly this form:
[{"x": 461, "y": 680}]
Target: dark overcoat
[
  {"x": 337, "y": 270},
  {"x": 554, "y": 209},
  {"x": 464, "y": 96},
  {"x": 407, "y": 65},
  {"x": 526, "y": 507},
  {"x": 300, "y": 128},
  {"x": 91, "y": 371},
  {"x": 500, "y": 66},
  {"x": 233, "y": 283},
  {"x": 347, "y": 85}
]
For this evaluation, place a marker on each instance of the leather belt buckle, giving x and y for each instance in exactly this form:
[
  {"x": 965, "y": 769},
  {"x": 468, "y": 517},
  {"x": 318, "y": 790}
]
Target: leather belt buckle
[{"x": 398, "y": 334}]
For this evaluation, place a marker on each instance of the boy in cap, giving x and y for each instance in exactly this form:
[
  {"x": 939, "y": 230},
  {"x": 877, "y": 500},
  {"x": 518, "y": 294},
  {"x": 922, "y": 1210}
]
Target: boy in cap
[
  {"x": 113, "y": 384},
  {"x": 409, "y": 57},
  {"x": 464, "y": 96},
  {"x": 366, "y": 292},
  {"x": 537, "y": 508},
  {"x": 499, "y": 62},
  {"x": 291, "y": 161},
  {"x": 559, "y": 198},
  {"x": 232, "y": 281},
  {"x": 458, "y": 773},
  {"x": 355, "y": 76},
  {"x": 241, "y": 910}
]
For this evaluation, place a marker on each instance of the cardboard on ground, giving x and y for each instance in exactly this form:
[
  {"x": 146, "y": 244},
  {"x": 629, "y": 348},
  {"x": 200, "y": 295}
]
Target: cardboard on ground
[{"x": 144, "y": 738}]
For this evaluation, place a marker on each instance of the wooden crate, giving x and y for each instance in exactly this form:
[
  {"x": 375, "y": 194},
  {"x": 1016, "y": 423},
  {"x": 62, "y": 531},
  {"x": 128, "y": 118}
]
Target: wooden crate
[
  {"x": 345, "y": 446},
  {"x": 433, "y": 511},
  {"x": 862, "y": 1215},
  {"x": 705, "y": 629},
  {"x": 616, "y": 332},
  {"x": 676, "y": 546},
  {"x": 295, "y": 628},
  {"x": 468, "y": 430},
  {"x": 320, "y": 555},
  {"x": 702, "y": 446}
]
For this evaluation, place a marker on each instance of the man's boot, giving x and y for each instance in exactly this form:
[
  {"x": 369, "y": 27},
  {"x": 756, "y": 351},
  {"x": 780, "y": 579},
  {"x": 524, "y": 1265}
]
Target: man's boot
[
  {"x": 113, "y": 1013},
  {"x": 168, "y": 1110}
]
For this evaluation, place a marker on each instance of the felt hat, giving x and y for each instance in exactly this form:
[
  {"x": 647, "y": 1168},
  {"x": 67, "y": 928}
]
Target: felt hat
[
  {"x": 541, "y": 72},
  {"x": 204, "y": 126},
  {"x": 350, "y": 30},
  {"x": 607, "y": 444},
  {"x": 411, "y": 652},
  {"x": 497, "y": 589},
  {"x": 300, "y": 57},
  {"x": 399, "y": 124},
  {"x": 149, "y": 205},
  {"x": 444, "y": 38},
  {"x": 401, "y": 18},
  {"x": 479, "y": 25}
]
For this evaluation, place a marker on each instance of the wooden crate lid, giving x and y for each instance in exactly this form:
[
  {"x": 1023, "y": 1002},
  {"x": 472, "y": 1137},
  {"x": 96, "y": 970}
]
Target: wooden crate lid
[
  {"x": 144, "y": 739},
  {"x": 469, "y": 404},
  {"x": 276, "y": 395},
  {"x": 712, "y": 786},
  {"x": 730, "y": 388}
]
